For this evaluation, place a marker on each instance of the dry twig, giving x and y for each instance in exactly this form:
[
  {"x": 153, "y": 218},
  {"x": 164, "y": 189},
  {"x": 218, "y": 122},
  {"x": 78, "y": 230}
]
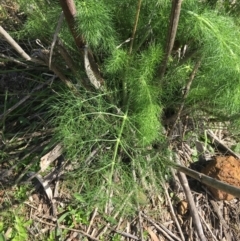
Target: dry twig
[
  {"x": 221, "y": 144},
  {"x": 138, "y": 207},
  {"x": 44, "y": 56},
  {"x": 208, "y": 228},
  {"x": 172, "y": 211},
  {"x": 70, "y": 229},
  {"x": 66, "y": 56},
  {"x": 192, "y": 207},
  {"x": 92, "y": 219},
  {"x": 161, "y": 229},
  {"x": 127, "y": 235},
  {"x": 55, "y": 36},
  {"x": 44, "y": 59},
  {"x": 14, "y": 44},
  {"x": 13, "y": 60},
  {"x": 226, "y": 228}
]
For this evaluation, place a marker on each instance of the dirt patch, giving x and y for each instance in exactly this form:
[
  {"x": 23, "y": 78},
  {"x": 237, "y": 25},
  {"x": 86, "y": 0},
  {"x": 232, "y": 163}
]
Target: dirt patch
[{"x": 226, "y": 169}]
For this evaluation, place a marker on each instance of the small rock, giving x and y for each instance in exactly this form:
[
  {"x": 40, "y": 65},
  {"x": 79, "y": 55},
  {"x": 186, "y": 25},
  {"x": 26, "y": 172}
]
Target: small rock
[{"x": 225, "y": 169}]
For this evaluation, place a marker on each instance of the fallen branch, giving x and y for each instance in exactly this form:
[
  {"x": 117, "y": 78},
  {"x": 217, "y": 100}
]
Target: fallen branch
[
  {"x": 14, "y": 44},
  {"x": 209, "y": 181},
  {"x": 192, "y": 207}
]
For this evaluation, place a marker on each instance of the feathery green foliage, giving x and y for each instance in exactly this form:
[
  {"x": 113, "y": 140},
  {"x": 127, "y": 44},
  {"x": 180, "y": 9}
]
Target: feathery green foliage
[
  {"x": 117, "y": 62},
  {"x": 82, "y": 121},
  {"x": 110, "y": 135},
  {"x": 94, "y": 20},
  {"x": 144, "y": 94},
  {"x": 39, "y": 15},
  {"x": 218, "y": 40},
  {"x": 88, "y": 123},
  {"x": 132, "y": 80}
]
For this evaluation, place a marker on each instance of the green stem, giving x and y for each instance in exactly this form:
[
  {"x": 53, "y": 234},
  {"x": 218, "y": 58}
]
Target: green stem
[
  {"x": 118, "y": 142},
  {"x": 124, "y": 85}
]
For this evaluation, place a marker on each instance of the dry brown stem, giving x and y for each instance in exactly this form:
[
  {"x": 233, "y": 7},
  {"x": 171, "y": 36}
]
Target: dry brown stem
[
  {"x": 44, "y": 58},
  {"x": 70, "y": 13},
  {"x": 55, "y": 36},
  {"x": 135, "y": 25},
  {"x": 66, "y": 56},
  {"x": 14, "y": 44},
  {"x": 172, "y": 30}
]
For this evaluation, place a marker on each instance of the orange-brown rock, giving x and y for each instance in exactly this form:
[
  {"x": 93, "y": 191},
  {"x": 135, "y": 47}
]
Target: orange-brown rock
[{"x": 225, "y": 169}]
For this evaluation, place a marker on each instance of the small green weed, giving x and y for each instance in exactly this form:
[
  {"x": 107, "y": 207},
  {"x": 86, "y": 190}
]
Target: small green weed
[
  {"x": 19, "y": 230},
  {"x": 21, "y": 192},
  {"x": 2, "y": 236}
]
